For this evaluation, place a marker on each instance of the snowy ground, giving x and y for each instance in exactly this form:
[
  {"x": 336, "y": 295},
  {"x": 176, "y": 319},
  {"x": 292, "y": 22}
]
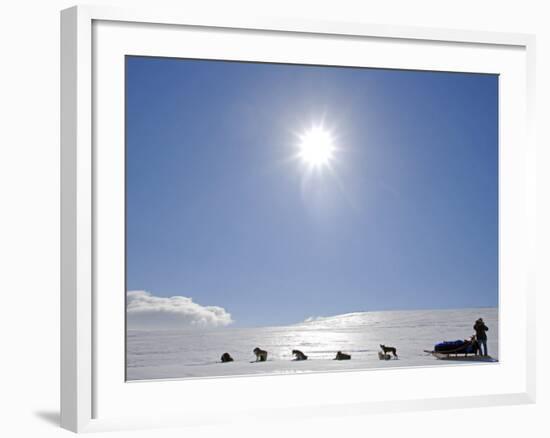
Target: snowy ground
[{"x": 184, "y": 353}]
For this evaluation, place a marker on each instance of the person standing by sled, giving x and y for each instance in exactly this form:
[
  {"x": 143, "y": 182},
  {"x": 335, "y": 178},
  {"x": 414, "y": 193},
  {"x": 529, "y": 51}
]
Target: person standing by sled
[{"x": 481, "y": 336}]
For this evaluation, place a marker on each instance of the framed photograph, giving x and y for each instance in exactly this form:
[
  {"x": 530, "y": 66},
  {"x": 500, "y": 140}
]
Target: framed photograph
[{"x": 260, "y": 208}]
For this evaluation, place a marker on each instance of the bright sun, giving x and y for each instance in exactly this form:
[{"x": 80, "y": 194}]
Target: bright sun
[{"x": 316, "y": 147}]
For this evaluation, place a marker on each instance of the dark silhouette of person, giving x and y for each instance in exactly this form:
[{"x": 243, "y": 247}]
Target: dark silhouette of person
[{"x": 481, "y": 336}]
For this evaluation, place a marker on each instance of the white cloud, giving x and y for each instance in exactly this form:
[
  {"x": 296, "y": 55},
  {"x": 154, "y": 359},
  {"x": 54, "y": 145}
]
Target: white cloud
[{"x": 147, "y": 311}]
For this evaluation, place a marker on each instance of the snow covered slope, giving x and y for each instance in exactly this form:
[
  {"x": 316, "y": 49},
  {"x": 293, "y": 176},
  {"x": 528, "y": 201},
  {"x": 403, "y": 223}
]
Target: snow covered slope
[{"x": 194, "y": 353}]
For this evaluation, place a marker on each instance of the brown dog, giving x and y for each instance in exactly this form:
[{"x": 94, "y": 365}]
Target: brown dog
[{"x": 261, "y": 355}]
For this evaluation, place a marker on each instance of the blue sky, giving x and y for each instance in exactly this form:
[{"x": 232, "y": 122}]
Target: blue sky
[{"x": 219, "y": 209}]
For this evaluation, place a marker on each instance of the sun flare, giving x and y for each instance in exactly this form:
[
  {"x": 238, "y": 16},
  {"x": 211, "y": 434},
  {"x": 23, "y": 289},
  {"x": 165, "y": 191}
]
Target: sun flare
[{"x": 316, "y": 147}]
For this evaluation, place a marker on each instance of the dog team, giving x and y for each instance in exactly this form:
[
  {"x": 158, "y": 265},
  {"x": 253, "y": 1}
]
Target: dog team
[{"x": 261, "y": 355}]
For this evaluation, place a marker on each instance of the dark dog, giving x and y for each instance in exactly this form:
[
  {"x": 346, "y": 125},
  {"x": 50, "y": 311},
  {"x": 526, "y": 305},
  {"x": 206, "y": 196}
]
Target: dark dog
[
  {"x": 226, "y": 357},
  {"x": 299, "y": 355},
  {"x": 261, "y": 355},
  {"x": 387, "y": 350},
  {"x": 342, "y": 356}
]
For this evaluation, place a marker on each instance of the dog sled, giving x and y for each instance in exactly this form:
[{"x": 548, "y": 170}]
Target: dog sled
[{"x": 460, "y": 350}]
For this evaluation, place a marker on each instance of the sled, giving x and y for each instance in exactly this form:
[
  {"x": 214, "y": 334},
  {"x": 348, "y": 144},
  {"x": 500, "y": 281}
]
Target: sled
[
  {"x": 461, "y": 357},
  {"x": 458, "y": 351}
]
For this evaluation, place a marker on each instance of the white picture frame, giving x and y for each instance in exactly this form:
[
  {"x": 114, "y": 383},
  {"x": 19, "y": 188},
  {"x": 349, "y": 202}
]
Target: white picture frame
[{"x": 94, "y": 396}]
